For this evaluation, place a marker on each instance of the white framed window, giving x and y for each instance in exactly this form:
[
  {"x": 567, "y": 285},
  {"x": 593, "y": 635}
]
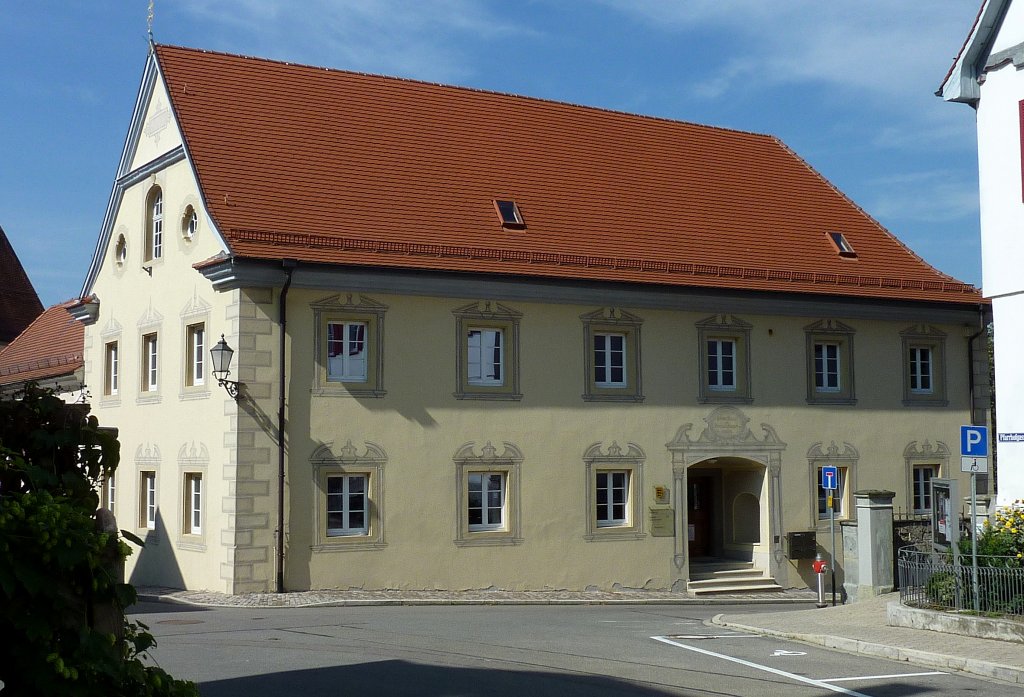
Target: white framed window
[
  {"x": 147, "y": 500},
  {"x": 920, "y": 362},
  {"x": 487, "y": 351},
  {"x": 189, "y": 223},
  {"x": 838, "y": 497},
  {"x": 108, "y": 492},
  {"x": 488, "y": 495},
  {"x": 110, "y": 368},
  {"x": 346, "y": 351},
  {"x": 149, "y": 363},
  {"x": 485, "y": 501},
  {"x": 347, "y": 504},
  {"x": 721, "y": 364},
  {"x": 724, "y": 346},
  {"x": 611, "y": 338},
  {"x": 924, "y": 366},
  {"x": 195, "y": 347},
  {"x": 485, "y": 356},
  {"x": 154, "y": 225},
  {"x": 614, "y": 486},
  {"x": 612, "y": 498},
  {"x": 826, "y": 367},
  {"x": 922, "y": 490},
  {"x": 609, "y": 360},
  {"x": 193, "y": 503}
]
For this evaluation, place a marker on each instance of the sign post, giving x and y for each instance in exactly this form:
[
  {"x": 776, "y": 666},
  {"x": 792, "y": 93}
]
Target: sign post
[
  {"x": 830, "y": 483},
  {"x": 974, "y": 459}
]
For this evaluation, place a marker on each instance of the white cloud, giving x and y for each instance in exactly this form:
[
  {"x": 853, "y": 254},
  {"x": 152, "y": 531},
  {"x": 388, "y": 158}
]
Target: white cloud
[
  {"x": 425, "y": 40},
  {"x": 937, "y": 196}
]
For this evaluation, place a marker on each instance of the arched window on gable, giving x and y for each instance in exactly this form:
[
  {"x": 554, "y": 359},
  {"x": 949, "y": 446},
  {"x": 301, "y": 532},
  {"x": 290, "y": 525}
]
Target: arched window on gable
[{"x": 154, "y": 224}]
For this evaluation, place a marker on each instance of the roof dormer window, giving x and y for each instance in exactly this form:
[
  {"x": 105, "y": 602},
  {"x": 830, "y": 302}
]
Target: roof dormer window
[
  {"x": 842, "y": 245},
  {"x": 509, "y": 214}
]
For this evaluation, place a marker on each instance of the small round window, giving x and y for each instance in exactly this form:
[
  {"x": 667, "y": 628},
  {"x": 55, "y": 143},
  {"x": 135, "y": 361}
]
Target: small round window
[
  {"x": 189, "y": 223},
  {"x": 120, "y": 251}
]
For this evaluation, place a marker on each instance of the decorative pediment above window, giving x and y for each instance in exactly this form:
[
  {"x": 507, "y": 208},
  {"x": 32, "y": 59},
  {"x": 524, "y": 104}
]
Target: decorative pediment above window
[
  {"x": 614, "y": 454},
  {"x": 348, "y": 454},
  {"x": 150, "y": 317},
  {"x": 832, "y": 452},
  {"x": 147, "y": 454},
  {"x": 829, "y": 326},
  {"x": 193, "y": 454},
  {"x": 612, "y": 315},
  {"x": 111, "y": 328},
  {"x": 926, "y": 450},
  {"x": 348, "y": 303},
  {"x": 723, "y": 322},
  {"x": 488, "y": 454},
  {"x": 487, "y": 310},
  {"x": 195, "y": 306},
  {"x": 923, "y": 331}
]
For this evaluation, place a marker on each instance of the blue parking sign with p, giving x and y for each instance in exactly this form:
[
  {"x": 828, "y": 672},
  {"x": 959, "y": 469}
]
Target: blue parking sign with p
[{"x": 974, "y": 441}]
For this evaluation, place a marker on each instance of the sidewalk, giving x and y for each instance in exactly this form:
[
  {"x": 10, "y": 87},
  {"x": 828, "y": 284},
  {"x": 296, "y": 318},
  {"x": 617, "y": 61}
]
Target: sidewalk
[
  {"x": 862, "y": 628},
  {"x": 469, "y": 597},
  {"x": 857, "y": 628}
]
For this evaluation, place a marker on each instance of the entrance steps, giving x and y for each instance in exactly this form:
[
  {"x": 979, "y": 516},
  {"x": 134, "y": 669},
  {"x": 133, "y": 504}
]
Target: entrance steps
[{"x": 722, "y": 577}]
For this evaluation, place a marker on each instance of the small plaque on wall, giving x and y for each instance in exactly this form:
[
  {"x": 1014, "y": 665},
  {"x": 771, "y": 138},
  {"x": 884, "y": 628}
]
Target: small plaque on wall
[
  {"x": 661, "y": 522},
  {"x": 661, "y": 495}
]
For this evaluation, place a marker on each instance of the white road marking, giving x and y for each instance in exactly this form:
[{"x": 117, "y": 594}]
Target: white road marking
[
  {"x": 768, "y": 669},
  {"x": 883, "y": 677},
  {"x": 783, "y": 652},
  {"x": 715, "y": 636}
]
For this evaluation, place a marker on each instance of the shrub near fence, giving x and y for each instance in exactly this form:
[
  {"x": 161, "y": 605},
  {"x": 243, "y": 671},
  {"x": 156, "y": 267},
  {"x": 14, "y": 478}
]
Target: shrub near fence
[{"x": 932, "y": 580}]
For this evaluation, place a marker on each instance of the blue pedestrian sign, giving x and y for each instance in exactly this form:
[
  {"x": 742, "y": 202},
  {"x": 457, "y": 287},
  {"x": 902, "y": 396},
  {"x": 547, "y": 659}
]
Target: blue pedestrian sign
[
  {"x": 974, "y": 441},
  {"x": 830, "y": 477}
]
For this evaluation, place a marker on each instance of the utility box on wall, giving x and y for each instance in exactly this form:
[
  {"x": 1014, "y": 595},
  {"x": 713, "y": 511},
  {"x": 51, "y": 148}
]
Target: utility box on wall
[{"x": 802, "y": 545}]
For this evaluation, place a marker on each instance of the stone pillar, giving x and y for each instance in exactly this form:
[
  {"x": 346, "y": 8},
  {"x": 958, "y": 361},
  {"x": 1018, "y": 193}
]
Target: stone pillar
[{"x": 873, "y": 574}]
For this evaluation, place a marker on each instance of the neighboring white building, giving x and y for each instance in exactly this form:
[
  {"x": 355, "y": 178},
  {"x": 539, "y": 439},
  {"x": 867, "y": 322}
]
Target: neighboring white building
[{"x": 987, "y": 75}]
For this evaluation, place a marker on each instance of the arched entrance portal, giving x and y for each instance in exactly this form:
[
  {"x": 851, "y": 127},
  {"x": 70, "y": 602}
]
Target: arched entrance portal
[{"x": 727, "y": 483}]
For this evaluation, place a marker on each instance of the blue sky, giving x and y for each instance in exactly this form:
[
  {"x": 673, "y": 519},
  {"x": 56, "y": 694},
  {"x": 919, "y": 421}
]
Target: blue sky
[{"x": 848, "y": 84}]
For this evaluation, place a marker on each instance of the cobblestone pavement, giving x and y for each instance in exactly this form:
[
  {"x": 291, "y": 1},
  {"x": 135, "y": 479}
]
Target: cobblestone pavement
[{"x": 468, "y": 597}]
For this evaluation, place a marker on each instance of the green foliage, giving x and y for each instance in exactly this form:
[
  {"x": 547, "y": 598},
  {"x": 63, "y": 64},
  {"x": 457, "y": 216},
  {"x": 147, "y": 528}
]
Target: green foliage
[
  {"x": 941, "y": 589},
  {"x": 57, "y": 570},
  {"x": 1005, "y": 536}
]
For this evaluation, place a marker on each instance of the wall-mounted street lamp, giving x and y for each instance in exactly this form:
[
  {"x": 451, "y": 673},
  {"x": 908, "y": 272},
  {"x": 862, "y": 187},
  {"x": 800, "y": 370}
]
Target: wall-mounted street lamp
[{"x": 221, "y": 354}]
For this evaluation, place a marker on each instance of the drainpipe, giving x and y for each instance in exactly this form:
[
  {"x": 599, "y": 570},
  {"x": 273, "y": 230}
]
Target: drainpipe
[
  {"x": 970, "y": 358},
  {"x": 289, "y": 265}
]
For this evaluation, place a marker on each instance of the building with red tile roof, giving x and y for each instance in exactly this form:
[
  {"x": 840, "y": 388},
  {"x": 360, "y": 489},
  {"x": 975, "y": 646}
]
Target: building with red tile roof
[
  {"x": 483, "y": 340},
  {"x": 19, "y": 304},
  {"x": 49, "y": 352}
]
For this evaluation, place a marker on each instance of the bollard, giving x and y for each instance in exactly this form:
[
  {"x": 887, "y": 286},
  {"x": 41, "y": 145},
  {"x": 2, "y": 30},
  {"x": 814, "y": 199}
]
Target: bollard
[{"x": 820, "y": 567}]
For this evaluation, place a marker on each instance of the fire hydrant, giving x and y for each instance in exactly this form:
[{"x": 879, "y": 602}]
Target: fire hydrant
[{"x": 820, "y": 567}]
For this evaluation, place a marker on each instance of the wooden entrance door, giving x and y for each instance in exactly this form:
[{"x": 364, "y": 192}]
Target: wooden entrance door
[{"x": 700, "y": 515}]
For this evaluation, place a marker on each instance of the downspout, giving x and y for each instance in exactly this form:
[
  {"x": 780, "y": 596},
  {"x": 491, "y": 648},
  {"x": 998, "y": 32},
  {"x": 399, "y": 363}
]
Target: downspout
[
  {"x": 289, "y": 265},
  {"x": 970, "y": 360}
]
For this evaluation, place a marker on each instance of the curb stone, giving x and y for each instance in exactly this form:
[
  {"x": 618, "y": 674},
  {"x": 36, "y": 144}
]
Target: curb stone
[{"x": 928, "y": 659}]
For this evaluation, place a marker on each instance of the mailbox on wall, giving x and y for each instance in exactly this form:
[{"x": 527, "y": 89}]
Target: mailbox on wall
[{"x": 802, "y": 545}]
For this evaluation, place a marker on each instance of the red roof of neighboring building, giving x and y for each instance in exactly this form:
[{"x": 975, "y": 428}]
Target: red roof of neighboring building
[
  {"x": 50, "y": 347},
  {"x": 19, "y": 304},
  {"x": 335, "y": 167}
]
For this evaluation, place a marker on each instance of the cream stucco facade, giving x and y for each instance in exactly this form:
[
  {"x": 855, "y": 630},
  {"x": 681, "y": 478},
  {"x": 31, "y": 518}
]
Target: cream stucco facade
[{"x": 704, "y": 472}]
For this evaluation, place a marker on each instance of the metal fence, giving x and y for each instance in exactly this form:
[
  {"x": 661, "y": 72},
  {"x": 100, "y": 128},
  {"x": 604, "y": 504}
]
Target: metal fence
[{"x": 932, "y": 580}]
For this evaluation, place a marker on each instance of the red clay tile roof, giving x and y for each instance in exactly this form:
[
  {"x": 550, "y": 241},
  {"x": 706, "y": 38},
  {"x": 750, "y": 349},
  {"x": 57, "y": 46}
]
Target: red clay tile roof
[
  {"x": 345, "y": 168},
  {"x": 19, "y": 304},
  {"x": 51, "y": 346}
]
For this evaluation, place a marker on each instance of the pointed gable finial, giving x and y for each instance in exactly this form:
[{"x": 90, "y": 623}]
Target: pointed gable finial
[{"x": 149, "y": 24}]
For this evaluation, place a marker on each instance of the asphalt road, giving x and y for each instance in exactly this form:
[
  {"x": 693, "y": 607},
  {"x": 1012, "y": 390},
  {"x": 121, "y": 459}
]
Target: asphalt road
[{"x": 531, "y": 651}]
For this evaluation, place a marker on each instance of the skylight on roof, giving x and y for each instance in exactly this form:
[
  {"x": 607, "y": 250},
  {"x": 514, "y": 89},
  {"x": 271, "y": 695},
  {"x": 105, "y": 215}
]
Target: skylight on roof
[
  {"x": 509, "y": 213},
  {"x": 844, "y": 248}
]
